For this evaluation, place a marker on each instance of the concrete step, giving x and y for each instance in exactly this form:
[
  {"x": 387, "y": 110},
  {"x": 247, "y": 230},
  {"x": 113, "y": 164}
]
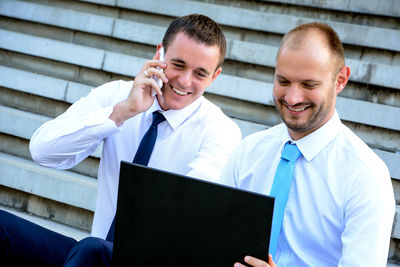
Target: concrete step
[
  {"x": 249, "y": 52},
  {"x": 62, "y": 186},
  {"x": 385, "y": 8},
  {"x": 23, "y": 124},
  {"x": 353, "y": 34},
  {"x": 75, "y": 233},
  {"x": 368, "y": 113}
]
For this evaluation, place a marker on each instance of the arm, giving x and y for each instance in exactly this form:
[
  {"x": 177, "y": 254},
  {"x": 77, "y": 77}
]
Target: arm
[
  {"x": 368, "y": 214},
  {"x": 72, "y": 136},
  {"x": 65, "y": 141},
  {"x": 230, "y": 173}
]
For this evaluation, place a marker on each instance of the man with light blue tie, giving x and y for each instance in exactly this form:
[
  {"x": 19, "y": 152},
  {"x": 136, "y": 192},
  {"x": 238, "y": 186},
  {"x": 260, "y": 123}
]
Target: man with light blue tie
[{"x": 334, "y": 199}]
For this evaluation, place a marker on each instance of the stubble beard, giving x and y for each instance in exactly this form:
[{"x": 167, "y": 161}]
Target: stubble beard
[{"x": 316, "y": 119}]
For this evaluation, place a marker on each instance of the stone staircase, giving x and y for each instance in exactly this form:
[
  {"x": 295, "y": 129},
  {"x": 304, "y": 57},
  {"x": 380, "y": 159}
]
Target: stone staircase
[{"x": 53, "y": 52}]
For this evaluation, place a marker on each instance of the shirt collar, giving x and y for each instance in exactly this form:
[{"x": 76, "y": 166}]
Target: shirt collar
[
  {"x": 312, "y": 144},
  {"x": 175, "y": 117}
]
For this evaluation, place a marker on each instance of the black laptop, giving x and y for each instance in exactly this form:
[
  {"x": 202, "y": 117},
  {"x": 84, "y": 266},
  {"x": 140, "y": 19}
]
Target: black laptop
[{"x": 165, "y": 219}]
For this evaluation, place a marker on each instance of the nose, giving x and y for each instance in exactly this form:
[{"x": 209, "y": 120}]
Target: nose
[
  {"x": 294, "y": 95},
  {"x": 185, "y": 79}
]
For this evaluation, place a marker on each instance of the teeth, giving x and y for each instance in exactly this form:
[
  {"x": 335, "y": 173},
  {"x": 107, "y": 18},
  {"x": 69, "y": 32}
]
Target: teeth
[
  {"x": 179, "y": 92},
  {"x": 296, "y": 109}
]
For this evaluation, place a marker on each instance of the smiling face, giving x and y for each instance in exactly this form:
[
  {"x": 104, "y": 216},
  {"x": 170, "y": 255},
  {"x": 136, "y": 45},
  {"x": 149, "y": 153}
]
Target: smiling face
[
  {"x": 306, "y": 85},
  {"x": 192, "y": 67}
]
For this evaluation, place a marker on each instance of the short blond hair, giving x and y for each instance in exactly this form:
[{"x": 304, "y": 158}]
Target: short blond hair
[{"x": 298, "y": 34}]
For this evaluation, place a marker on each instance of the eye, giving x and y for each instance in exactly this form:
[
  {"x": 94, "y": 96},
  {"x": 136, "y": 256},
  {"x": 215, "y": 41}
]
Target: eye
[
  {"x": 310, "y": 85},
  {"x": 179, "y": 66},
  {"x": 200, "y": 74},
  {"x": 283, "y": 82}
]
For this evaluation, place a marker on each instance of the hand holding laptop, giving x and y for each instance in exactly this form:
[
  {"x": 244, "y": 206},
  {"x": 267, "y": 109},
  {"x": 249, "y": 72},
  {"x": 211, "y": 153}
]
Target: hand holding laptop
[{"x": 256, "y": 262}]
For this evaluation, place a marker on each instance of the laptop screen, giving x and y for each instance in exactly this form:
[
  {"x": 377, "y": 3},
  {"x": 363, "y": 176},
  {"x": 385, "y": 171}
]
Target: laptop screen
[{"x": 165, "y": 219}]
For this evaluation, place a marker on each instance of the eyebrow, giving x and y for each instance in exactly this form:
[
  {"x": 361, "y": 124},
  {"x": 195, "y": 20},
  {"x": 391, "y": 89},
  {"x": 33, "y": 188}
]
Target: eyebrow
[
  {"x": 307, "y": 80},
  {"x": 311, "y": 81},
  {"x": 280, "y": 76},
  {"x": 176, "y": 60}
]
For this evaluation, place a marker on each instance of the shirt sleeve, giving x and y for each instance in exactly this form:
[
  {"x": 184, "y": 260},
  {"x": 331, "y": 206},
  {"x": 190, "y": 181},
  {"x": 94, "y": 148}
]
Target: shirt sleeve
[
  {"x": 68, "y": 139},
  {"x": 368, "y": 214},
  {"x": 230, "y": 171},
  {"x": 213, "y": 154}
]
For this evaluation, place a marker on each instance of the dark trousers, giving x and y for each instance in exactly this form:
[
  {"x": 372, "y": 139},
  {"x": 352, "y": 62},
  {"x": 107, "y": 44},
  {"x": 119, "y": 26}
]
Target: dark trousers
[
  {"x": 25, "y": 243},
  {"x": 91, "y": 251}
]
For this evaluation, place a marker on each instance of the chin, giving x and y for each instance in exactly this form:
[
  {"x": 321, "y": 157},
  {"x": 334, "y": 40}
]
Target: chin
[
  {"x": 173, "y": 105},
  {"x": 296, "y": 125}
]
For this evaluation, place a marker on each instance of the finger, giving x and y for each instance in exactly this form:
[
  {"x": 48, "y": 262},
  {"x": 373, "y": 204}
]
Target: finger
[
  {"x": 147, "y": 85},
  {"x": 255, "y": 262},
  {"x": 153, "y": 64},
  {"x": 237, "y": 264},
  {"x": 152, "y": 83},
  {"x": 156, "y": 72},
  {"x": 271, "y": 261}
]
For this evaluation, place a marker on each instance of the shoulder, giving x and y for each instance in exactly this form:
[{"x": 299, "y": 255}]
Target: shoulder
[
  {"x": 215, "y": 121},
  {"x": 358, "y": 152},
  {"x": 363, "y": 172},
  {"x": 210, "y": 111},
  {"x": 261, "y": 142},
  {"x": 254, "y": 152}
]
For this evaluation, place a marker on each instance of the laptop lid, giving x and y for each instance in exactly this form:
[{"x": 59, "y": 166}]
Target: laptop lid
[{"x": 165, "y": 219}]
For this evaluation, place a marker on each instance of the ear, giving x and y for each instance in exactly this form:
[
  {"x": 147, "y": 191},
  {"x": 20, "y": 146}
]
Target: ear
[
  {"x": 157, "y": 55},
  {"x": 216, "y": 73},
  {"x": 342, "y": 78}
]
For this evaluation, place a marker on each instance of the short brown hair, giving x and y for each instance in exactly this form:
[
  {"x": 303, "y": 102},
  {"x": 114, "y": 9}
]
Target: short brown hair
[
  {"x": 199, "y": 27},
  {"x": 332, "y": 38}
]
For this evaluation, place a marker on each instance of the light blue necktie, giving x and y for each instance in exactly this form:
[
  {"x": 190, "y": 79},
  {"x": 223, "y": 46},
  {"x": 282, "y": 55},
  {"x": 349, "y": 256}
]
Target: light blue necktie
[{"x": 280, "y": 190}]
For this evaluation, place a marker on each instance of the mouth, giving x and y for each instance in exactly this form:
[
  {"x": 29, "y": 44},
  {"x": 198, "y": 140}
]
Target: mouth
[
  {"x": 296, "y": 109},
  {"x": 299, "y": 109},
  {"x": 179, "y": 92}
]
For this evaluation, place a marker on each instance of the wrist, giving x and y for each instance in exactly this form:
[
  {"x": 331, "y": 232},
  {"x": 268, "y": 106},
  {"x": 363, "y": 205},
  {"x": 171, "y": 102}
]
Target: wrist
[{"x": 121, "y": 112}]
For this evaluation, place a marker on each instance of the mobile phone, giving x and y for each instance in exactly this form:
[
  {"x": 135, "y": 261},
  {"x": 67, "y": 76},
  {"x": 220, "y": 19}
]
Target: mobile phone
[{"x": 158, "y": 80}]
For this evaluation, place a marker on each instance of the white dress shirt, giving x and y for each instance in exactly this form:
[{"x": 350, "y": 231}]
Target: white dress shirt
[
  {"x": 341, "y": 204},
  {"x": 193, "y": 141}
]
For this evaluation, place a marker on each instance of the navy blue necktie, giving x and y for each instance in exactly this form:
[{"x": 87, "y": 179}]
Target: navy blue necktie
[
  {"x": 143, "y": 154},
  {"x": 280, "y": 190}
]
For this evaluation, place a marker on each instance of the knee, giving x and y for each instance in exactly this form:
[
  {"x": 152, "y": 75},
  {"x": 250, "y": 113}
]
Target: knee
[
  {"x": 90, "y": 251},
  {"x": 92, "y": 244}
]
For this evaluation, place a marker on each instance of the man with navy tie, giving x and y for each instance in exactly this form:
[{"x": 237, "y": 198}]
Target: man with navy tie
[
  {"x": 334, "y": 201},
  {"x": 188, "y": 134}
]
